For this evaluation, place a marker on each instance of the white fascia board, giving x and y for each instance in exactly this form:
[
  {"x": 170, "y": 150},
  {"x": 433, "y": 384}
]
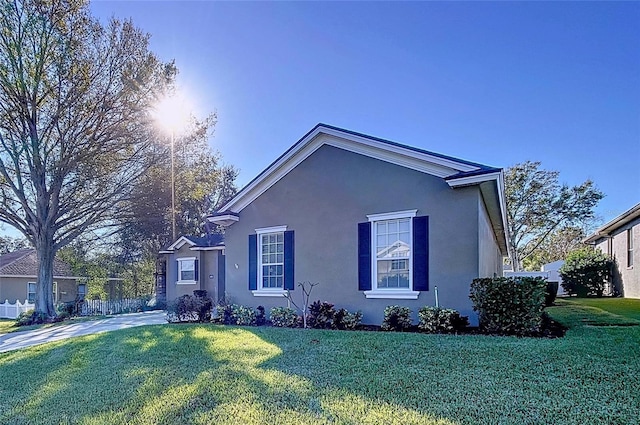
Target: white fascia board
[
  {"x": 429, "y": 164},
  {"x": 23, "y": 276},
  {"x": 179, "y": 243},
  {"x": 471, "y": 180},
  {"x": 166, "y": 252},
  {"x": 224, "y": 220},
  {"x": 207, "y": 248}
]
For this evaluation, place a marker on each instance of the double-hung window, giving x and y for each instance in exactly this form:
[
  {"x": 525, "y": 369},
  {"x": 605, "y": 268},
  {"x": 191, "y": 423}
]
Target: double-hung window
[
  {"x": 187, "y": 271},
  {"x": 271, "y": 261},
  {"x": 392, "y": 255},
  {"x": 31, "y": 292}
]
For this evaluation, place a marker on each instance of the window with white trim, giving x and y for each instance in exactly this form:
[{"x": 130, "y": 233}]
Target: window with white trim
[
  {"x": 392, "y": 253},
  {"x": 271, "y": 260},
  {"x": 31, "y": 292},
  {"x": 186, "y": 270},
  {"x": 630, "y": 247}
]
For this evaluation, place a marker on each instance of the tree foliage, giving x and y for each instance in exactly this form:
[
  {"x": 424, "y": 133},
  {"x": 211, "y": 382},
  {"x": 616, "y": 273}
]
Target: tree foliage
[
  {"x": 202, "y": 185},
  {"x": 9, "y": 244},
  {"x": 75, "y": 127},
  {"x": 538, "y": 205},
  {"x": 586, "y": 272},
  {"x": 555, "y": 247}
]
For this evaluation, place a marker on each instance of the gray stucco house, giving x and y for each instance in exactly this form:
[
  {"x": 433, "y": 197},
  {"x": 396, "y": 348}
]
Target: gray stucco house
[
  {"x": 374, "y": 222},
  {"x": 618, "y": 238}
]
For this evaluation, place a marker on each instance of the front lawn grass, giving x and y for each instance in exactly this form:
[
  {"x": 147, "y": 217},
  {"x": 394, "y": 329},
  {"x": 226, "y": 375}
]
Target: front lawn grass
[
  {"x": 202, "y": 374},
  {"x": 625, "y": 307}
]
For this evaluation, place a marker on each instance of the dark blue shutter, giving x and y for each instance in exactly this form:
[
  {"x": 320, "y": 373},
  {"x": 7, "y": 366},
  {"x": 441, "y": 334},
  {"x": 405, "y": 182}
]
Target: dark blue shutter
[
  {"x": 421, "y": 253},
  {"x": 289, "y": 249},
  {"x": 176, "y": 267},
  {"x": 221, "y": 275},
  {"x": 364, "y": 256},
  {"x": 253, "y": 262},
  {"x": 196, "y": 273}
]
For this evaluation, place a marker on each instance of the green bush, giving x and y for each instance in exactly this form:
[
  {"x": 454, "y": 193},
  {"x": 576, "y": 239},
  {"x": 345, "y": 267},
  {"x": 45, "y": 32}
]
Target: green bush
[
  {"x": 188, "y": 308},
  {"x": 284, "y": 317},
  {"x": 396, "y": 318},
  {"x": 222, "y": 314},
  {"x": 441, "y": 320},
  {"x": 30, "y": 318},
  {"x": 243, "y": 316},
  {"x": 551, "y": 294},
  {"x": 509, "y": 306},
  {"x": 344, "y": 320},
  {"x": 321, "y": 315},
  {"x": 585, "y": 272}
]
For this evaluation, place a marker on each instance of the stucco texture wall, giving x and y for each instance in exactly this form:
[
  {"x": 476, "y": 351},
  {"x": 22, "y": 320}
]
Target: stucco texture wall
[
  {"x": 324, "y": 198},
  {"x": 628, "y": 276},
  {"x": 207, "y": 273},
  {"x": 15, "y": 288}
]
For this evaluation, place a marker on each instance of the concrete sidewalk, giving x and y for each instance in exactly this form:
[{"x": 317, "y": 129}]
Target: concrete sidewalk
[{"x": 18, "y": 340}]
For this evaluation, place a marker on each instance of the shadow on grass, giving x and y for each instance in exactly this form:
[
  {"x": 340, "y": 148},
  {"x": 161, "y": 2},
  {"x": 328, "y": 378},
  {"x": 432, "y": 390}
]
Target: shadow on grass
[{"x": 205, "y": 374}]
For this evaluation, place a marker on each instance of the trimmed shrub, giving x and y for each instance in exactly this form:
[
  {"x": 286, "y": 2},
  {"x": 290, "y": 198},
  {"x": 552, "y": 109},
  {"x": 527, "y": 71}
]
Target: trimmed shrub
[
  {"x": 585, "y": 272},
  {"x": 441, "y": 320},
  {"x": 30, "y": 318},
  {"x": 552, "y": 293},
  {"x": 261, "y": 317},
  {"x": 188, "y": 308},
  {"x": 396, "y": 318},
  {"x": 284, "y": 317},
  {"x": 222, "y": 314},
  {"x": 321, "y": 315},
  {"x": 243, "y": 316},
  {"x": 509, "y": 306},
  {"x": 344, "y": 320}
]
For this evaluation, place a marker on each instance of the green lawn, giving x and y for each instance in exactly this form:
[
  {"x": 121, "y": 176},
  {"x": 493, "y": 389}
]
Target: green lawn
[
  {"x": 625, "y": 307},
  {"x": 205, "y": 374}
]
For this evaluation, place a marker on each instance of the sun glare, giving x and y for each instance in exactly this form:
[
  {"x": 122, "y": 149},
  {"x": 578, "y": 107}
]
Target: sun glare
[{"x": 172, "y": 113}]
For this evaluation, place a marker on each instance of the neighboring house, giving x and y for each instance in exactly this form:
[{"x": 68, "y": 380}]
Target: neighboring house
[
  {"x": 18, "y": 277},
  {"x": 620, "y": 238},
  {"x": 194, "y": 263},
  {"x": 552, "y": 269},
  {"x": 374, "y": 222}
]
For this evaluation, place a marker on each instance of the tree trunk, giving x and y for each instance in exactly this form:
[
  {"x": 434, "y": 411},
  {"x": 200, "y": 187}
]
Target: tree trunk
[{"x": 44, "y": 286}]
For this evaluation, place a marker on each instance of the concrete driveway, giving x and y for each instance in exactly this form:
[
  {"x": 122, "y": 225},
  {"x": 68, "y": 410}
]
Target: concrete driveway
[{"x": 18, "y": 340}]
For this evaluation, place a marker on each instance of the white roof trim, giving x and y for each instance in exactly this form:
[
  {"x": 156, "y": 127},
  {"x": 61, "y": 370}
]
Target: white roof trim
[
  {"x": 179, "y": 243},
  {"x": 207, "y": 248},
  {"x": 223, "y": 219},
  {"x": 466, "y": 181},
  {"x": 613, "y": 225},
  {"x": 409, "y": 158}
]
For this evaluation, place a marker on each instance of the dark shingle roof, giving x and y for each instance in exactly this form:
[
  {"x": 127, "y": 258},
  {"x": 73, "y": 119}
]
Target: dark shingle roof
[
  {"x": 24, "y": 262},
  {"x": 211, "y": 240}
]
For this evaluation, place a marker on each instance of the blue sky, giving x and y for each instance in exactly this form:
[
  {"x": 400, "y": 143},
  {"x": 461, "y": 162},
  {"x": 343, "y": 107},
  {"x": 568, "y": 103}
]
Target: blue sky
[{"x": 496, "y": 83}]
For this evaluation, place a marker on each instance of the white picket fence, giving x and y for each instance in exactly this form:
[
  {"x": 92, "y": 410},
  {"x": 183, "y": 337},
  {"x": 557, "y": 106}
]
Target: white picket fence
[
  {"x": 100, "y": 307},
  {"x": 12, "y": 311}
]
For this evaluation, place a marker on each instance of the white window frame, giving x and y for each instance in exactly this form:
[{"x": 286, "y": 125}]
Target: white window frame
[
  {"x": 630, "y": 247},
  {"x": 55, "y": 292},
  {"x": 262, "y": 291},
  {"x": 391, "y": 293},
  {"x": 179, "y": 265},
  {"x": 29, "y": 292}
]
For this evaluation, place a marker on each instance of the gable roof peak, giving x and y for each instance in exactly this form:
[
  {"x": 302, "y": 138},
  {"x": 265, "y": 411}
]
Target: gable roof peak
[{"x": 432, "y": 163}]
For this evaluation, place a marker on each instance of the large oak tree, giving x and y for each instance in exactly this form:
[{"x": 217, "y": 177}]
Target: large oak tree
[
  {"x": 75, "y": 123},
  {"x": 538, "y": 205}
]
